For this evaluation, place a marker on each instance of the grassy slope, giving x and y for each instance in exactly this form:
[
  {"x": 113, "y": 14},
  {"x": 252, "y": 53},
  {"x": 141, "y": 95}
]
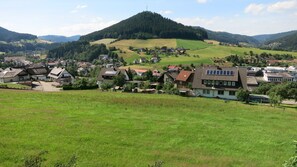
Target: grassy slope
[
  {"x": 15, "y": 86},
  {"x": 205, "y": 51},
  {"x": 105, "y": 41},
  {"x": 116, "y": 129}
]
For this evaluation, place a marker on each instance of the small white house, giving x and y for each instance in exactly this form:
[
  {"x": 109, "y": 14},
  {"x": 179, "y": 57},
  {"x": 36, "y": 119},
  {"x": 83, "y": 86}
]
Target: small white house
[{"x": 61, "y": 76}]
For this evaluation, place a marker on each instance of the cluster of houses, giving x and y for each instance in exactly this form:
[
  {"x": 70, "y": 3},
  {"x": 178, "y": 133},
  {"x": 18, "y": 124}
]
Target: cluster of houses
[
  {"x": 206, "y": 81},
  {"x": 156, "y": 52},
  {"x": 209, "y": 81},
  {"x": 36, "y": 72}
]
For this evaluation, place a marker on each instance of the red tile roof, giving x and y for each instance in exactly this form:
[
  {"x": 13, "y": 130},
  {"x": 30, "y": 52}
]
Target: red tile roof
[{"x": 184, "y": 75}]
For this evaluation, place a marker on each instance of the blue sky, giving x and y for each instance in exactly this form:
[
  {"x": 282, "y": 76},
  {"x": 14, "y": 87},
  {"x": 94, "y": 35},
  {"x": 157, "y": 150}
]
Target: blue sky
[{"x": 71, "y": 17}]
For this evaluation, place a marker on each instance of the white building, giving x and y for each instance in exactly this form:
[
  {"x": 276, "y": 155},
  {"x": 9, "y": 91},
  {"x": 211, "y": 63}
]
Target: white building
[
  {"x": 277, "y": 77},
  {"x": 61, "y": 76},
  {"x": 219, "y": 82}
]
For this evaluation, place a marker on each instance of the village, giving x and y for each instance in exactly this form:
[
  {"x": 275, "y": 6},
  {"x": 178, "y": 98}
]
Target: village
[{"x": 211, "y": 81}]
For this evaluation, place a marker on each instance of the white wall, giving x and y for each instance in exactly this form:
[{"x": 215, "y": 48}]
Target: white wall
[{"x": 214, "y": 93}]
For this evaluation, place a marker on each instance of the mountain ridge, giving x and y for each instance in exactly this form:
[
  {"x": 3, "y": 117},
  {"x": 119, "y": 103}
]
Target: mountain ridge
[
  {"x": 11, "y": 36},
  {"x": 59, "y": 38}
]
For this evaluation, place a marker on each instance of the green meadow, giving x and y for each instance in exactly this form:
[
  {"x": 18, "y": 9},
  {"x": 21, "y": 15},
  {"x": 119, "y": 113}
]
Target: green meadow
[
  {"x": 118, "y": 129},
  {"x": 199, "y": 51}
]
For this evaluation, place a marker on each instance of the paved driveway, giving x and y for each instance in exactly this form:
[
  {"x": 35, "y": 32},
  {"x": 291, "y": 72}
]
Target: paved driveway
[{"x": 45, "y": 86}]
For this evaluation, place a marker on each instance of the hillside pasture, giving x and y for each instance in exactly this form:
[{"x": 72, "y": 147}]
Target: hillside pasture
[
  {"x": 191, "y": 44},
  {"x": 199, "y": 51},
  {"x": 105, "y": 41},
  {"x": 119, "y": 129}
]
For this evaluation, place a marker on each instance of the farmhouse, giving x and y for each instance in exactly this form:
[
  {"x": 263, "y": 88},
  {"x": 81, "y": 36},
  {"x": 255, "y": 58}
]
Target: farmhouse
[
  {"x": 184, "y": 78},
  {"x": 13, "y": 75},
  {"x": 220, "y": 82},
  {"x": 38, "y": 72},
  {"x": 108, "y": 74},
  {"x": 168, "y": 77},
  {"x": 61, "y": 76}
]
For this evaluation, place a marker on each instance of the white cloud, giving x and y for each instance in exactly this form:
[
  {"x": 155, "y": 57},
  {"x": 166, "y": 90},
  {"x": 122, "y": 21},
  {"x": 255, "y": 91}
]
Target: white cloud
[
  {"x": 282, "y": 6},
  {"x": 255, "y": 9},
  {"x": 201, "y": 1},
  {"x": 81, "y": 6},
  {"x": 165, "y": 12},
  {"x": 197, "y": 21},
  {"x": 78, "y": 8}
]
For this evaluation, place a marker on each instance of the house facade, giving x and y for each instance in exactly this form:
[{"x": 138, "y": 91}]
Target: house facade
[
  {"x": 38, "y": 72},
  {"x": 13, "y": 75},
  {"x": 168, "y": 77},
  {"x": 184, "y": 79},
  {"x": 61, "y": 76},
  {"x": 278, "y": 77},
  {"x": 219, "y": 82},
  {"x": 108, "y": 74}
]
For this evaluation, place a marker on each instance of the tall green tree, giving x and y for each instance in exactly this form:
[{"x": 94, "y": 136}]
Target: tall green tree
[{"x": 243, "y": 95}]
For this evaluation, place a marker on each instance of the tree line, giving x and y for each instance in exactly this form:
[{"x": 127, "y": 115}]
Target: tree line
[{"x": 78, "y": 50}]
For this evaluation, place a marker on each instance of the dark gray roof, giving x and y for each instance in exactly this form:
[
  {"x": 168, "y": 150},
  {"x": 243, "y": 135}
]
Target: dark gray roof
[
  {"x": 109, "y": 72},
  {"x": 239, "y": 75}
]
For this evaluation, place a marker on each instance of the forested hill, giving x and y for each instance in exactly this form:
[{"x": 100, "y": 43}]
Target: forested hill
[
  {"x": 288, "y": 43},
  {"x": 270, "y": 37},
  {"x": 10, "y": 36},
  {"x": 147, "y": 25},
  {"x": 231, "y": 38}
]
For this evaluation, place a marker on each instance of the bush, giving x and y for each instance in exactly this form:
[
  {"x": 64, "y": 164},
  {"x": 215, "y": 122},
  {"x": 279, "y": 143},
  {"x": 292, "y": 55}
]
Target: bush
[
  {"x": 157, "y": 164},
  {"x": 292, "y": 162},
  {"x": 106, "y": 85},
  {"x": 35, "y": 160},
  {"x": 82, "y": 84},
  {"x": 243, "y": 95},
  {"x": 119, "y": 80},
  {"x": 128, "y": 87}
]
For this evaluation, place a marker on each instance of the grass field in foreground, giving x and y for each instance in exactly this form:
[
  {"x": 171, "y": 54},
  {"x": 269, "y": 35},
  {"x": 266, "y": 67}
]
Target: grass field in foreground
[{"x": 118, "y": 129}]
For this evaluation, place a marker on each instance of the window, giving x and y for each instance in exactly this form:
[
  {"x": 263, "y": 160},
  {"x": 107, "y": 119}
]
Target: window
[
  {"x": 231, "y": 72},
  {"x": 232, "y": 93},
  {"x": 229, "y": 83},
  {"x": 233, "y": 83},
  {"x": 206, "y": 92},
  {"x": 217, "y": 82},
  {"x": 228, "y": 72},
  {"x": 225, "y": 83},
  {"x": 225, "y": 72},
  {"x": 220, "y": 92},
  {"x": 208, "y": 72}
]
